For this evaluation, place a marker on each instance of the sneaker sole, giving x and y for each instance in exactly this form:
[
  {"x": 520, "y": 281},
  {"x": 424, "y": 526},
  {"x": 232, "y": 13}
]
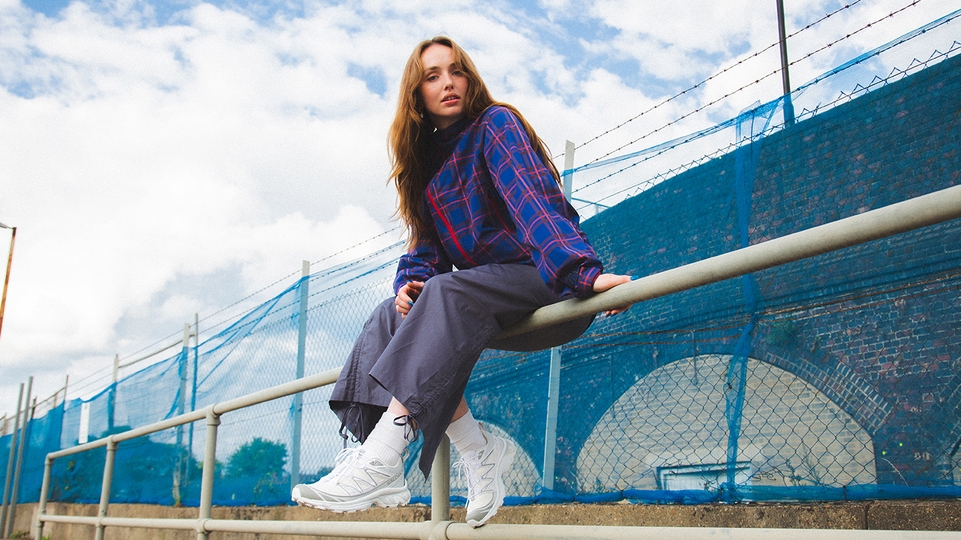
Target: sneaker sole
[
  {"x": 508, "y": 460},
  {"x": 390, "y": 499}
]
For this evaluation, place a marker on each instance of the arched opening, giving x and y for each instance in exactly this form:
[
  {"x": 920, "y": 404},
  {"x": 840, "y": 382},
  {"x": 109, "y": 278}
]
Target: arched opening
[{"x": 670, "y": 431}]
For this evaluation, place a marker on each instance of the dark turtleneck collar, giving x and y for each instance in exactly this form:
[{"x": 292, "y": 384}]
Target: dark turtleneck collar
[
  {"x": 442, "y": 136},
  {"x": 442, "y": 143}
]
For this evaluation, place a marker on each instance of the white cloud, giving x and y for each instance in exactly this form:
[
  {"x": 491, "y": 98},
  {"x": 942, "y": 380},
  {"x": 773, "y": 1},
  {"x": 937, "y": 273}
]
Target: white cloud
[{"x": 160, "y": 170}]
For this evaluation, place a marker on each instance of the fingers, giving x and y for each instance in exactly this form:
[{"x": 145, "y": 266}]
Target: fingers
[
  {"x": 606, "y": 282},
  {"x": 406, "y": 296}
]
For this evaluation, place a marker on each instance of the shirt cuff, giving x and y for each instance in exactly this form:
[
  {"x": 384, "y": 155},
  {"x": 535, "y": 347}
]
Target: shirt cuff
[{"x": 585, "y": 281}]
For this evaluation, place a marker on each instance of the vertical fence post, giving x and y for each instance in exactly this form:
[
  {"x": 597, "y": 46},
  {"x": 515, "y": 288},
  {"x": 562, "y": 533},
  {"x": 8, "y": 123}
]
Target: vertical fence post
[
  {"x": 785, "y": 74},
  {"x": 44, "y": 495},
  {"x": 554, "y": 375},
  {"x": 299, "y": 397},
  {"x": 8, "y": 479},
  {"x": 193, "y": 398},
  {"x": 112, "y": 396},
  {"x": 18, "y": 466},
  {"x": 440, "y": 483},
  {"x": 207, "y": 478},
  {"x": 105, "y": 487},
  {"x": 180, "y": 471}
]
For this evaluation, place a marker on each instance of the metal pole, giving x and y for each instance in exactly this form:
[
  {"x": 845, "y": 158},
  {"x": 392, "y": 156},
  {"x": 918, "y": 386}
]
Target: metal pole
[
  {"x": 440, "y": 483},
  {"x": 462, "y": 531},
  {"x": 785, "y": 74},
  {"x": 554, "y": 373},
  {"x": 8, "y": 479},
  {"x": 18, "y": 466},
  {"x": 112, "y": 397},
  {"x": 299, "y": 397},
  {"x": 193, "y": 398},
  {"x": 179, "y": 471},
  {"x": 44, "y": 495},
  {"x": 6, "y": 279},
  {"x": 15, "y": 492},
  {"x": 926, "y": 210},
  {"x": 207, "y": 478},
  {"x": 105, "y": 487}
]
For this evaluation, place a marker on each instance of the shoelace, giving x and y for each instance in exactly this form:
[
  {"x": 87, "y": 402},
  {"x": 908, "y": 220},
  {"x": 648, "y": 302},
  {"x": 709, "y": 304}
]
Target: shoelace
[
  {"x": 353, "y": 408},
  {"x": 467, "y": 469},
  {"x": 411, "y": 432},
  {"x": 344, "y": 462}
]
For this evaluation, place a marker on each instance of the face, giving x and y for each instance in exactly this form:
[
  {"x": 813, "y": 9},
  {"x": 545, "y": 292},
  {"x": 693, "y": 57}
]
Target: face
[{"x": 443, "y": 86}]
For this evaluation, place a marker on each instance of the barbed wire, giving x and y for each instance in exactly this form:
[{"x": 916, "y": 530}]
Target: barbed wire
[
  {"x": 748, "y": 85},
  {"x": 715, "y": 75}
]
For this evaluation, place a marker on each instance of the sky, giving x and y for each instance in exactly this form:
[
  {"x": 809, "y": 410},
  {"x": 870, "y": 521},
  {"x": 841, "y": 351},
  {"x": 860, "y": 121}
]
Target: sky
[{"x": 165, "y": 159}]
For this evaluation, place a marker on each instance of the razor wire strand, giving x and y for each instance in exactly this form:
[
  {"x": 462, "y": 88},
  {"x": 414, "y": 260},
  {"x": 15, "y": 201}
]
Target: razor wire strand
[
  {"x": 711, "y": 77},
  {"x": 754, "y": 82}
]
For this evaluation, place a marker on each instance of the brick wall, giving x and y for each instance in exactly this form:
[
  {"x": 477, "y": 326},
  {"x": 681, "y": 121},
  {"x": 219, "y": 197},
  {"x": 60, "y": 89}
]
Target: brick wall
[{"x": 873, "y": 328}]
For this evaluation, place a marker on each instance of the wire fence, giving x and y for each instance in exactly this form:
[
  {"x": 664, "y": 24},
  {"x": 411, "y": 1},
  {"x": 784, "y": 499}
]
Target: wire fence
[{"x": 830, "y": 379}]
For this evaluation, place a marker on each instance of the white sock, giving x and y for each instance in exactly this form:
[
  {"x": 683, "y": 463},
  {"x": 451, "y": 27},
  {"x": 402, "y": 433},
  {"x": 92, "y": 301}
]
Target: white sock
[
  {"x": 387, "y": 441},
  {"x": 466, "y": 435}
]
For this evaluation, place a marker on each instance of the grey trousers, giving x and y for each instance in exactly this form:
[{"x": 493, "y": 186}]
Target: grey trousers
[{"x": 425, "y": 359}]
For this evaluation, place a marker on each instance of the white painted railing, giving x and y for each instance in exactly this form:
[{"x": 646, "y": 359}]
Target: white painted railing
[{"x": 901, "y": 217}]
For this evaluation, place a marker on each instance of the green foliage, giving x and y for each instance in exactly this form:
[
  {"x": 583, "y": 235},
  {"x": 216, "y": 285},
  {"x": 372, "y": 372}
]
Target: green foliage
[
  {"x": 259, "y": 458},
  {"x": 257, "y": 467}
]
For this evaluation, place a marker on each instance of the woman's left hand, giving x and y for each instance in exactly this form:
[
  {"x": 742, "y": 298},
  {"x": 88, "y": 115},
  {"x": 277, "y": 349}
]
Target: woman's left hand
[{"x": 606, "y": 282}]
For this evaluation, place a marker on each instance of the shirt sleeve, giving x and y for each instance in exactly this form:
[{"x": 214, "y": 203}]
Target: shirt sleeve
[
  {"x": 422, "y": 262},
  {"x": 545, "y": 221}
]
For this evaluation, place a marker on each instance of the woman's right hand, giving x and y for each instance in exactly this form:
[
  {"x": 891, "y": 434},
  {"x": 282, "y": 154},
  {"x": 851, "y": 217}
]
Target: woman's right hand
[
  {"x": 406, "y": 296},
  {"x": 606, "y": 282}
]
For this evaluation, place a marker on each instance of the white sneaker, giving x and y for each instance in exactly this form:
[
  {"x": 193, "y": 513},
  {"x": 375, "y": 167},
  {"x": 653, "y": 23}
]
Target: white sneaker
[
  {"x": 358, "y": 481},
  {"x": 485, "y": 470}
]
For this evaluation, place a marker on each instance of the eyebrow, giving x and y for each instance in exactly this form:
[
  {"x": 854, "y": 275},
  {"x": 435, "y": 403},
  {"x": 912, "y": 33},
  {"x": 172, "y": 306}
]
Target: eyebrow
[{"x": 435, "y": 68}]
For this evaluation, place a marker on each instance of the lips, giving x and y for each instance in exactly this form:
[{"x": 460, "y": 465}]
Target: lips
[{"x": 451, "y": 97}]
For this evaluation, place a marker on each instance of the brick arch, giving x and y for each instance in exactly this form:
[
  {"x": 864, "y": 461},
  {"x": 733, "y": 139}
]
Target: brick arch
[
  {"x": 838, "y": 382},
  {"x": 673, "y": 419}
]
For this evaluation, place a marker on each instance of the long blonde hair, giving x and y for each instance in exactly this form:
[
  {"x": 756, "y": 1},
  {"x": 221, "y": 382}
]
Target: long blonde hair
[{"x": 409, "y": 134}]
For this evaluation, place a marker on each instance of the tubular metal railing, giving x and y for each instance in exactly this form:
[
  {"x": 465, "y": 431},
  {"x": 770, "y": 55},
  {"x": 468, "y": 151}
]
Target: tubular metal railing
[{"x": 897, "y": 218}]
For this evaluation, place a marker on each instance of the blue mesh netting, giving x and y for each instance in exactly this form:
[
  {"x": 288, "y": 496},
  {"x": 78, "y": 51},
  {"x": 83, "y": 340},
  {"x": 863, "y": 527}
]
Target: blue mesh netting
[{"x": 832, "y": 378}]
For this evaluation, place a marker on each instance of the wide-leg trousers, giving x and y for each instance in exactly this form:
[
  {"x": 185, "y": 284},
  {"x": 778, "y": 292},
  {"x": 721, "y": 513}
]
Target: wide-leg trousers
[{"x": 425, "y": 359}]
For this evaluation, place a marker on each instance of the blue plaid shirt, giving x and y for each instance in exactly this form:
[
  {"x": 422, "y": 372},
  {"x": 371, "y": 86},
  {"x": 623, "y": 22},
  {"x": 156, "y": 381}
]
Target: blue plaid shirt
[{"x": 492, "y": 200}]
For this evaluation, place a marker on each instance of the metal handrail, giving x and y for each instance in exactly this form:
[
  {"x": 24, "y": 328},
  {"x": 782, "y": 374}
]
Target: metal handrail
[{"x": 926, "y": 210}]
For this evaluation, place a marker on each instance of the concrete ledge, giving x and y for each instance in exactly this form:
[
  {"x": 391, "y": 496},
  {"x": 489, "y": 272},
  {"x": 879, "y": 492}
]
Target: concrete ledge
[{"x": 872, "y": 515}]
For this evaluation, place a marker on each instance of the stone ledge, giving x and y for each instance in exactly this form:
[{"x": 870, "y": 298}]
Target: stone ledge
[{"x": 937, "y": 515}]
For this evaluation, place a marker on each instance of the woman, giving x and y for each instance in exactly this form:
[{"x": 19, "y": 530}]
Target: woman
[{"x": 477, "y": 191}]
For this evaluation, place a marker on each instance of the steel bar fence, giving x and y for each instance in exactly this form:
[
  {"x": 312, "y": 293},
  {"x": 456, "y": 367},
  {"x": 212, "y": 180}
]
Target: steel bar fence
[
  {"x": 461, "y": 531},
  {"x": 922, "y": 211}
]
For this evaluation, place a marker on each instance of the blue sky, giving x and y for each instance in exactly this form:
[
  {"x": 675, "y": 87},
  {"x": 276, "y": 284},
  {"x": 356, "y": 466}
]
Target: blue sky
[{"x": 162, "y": 159}]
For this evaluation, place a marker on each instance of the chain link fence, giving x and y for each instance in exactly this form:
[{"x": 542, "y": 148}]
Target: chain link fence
[{"x": 827, "y": 379}]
